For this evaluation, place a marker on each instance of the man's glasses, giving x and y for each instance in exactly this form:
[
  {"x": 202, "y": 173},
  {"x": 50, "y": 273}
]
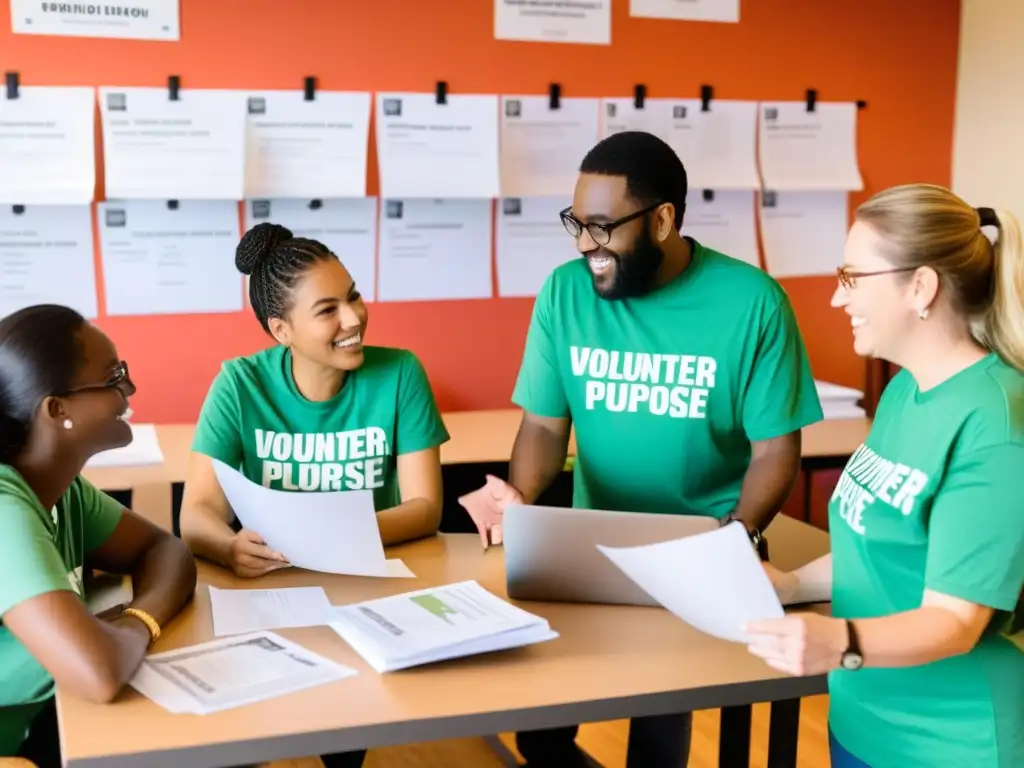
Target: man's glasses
[
  {"x": 600, "y": 233},
  {"x": 848, "y": 277}
]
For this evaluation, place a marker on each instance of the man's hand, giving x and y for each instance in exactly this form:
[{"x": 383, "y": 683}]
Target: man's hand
[
  {"x": 487, "y": 505},
  {"x": 251, "y": 557}
]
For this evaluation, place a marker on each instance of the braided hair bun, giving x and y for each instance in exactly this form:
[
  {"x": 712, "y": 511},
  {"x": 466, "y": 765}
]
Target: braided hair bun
[{"x": 257, "y": 244}]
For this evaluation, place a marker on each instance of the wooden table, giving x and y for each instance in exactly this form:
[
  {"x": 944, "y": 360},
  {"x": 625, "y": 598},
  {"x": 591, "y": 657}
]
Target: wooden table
[{"x": 610, "y": 662}]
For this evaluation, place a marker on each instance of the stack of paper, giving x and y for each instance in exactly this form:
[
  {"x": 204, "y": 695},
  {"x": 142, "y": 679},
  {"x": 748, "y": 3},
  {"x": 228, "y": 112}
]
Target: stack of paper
[
  {"x": 237, "y": 611},
  {"x": 429, "y": 625},
  {"x": 839, "y": 402},
  {"x": 326, "y": 531},
  {"x": 143, "y": 449},
  {"x": 713, "y": 581},
  {"x": 222, "y": 674}
]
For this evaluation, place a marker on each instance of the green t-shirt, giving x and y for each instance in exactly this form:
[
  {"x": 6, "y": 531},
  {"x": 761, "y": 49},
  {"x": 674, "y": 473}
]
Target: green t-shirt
[
  {"x": 255, "y": 419},
  {"x": 40, "y": 551},
  {"x": 667, "y": 391},
  {"x": 934, "y": 500}
]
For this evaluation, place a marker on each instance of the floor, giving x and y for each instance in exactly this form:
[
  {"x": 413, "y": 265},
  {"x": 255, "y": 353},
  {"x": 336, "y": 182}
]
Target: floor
[{"x": 606, "y": 742}]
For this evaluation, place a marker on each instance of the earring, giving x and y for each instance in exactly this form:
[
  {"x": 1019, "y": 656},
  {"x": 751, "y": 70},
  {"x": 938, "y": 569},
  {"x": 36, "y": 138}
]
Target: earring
[
  {"x": 923, "y": 313},
  {"x": 68, "y": 424}
]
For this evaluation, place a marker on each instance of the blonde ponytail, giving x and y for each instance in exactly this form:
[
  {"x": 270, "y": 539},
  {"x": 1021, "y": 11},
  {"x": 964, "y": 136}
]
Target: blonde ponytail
[{"x": 1004, "y": 322}]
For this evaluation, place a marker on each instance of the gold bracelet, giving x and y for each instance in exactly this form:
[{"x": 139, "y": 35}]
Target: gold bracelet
[{"x": 145, "y": 618}]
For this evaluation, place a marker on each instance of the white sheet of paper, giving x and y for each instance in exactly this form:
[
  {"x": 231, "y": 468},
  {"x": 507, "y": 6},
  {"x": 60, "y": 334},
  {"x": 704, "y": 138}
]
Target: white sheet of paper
[
  {"x": 541, "y": 148},
  {"x": 138, "y": 20},
  {"x": 46, "y": 257},
  {"x": 326, "y": 531},
  {"x": 802, "y": 151},
  {"x": 803, "y": 233},
  {"x": 718, "y": 147},
  {"x": 725, "y": 223},
  {"x": 346, "y": 225},
  {"x": 142, "y": 450},
  {"x": 231, "y": 672},
  {"x": 162, "y": 261},
  {"x": 306, "y": 149},
  {"x": 426, "y": 149},
  {"x": 553, "y": 21},
  {"x": 713, "y": 581},
  {"x": 687, "y": 10},
  {"x": 531, "y": 241},
  {"x": 156, "y": 148},
  {"x": 237, "y": 611},
  {"x": 432, "y": 250},
  {"x": 47, "y": 146}
]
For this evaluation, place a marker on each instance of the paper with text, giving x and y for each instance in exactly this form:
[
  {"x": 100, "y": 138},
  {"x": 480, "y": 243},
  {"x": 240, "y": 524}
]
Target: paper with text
[
  {"x": 434, "y": 624},
  {"x": 724, "y": 220},
  {"x": 432, "y": 250},
  {"x": 46, "y": 257},
  {"x": 541, "y": 148},
  {"x": 802, "y": 150},
  {"x": 713, "y": 581},
  {"x": 426, "y": 149},
  {"x": 306, "y": 149},
  {"x": 138, "y": 20},
  {"x": 47, "y": 146},
  {"x": 326, "y": 531},
  {"x": 531, "y": 241},
  {"x": 687, "y": 10},
  {"x": 718, "y": 146},
  {"x": 232, "y": 672},
  {"x": 347, "y": 225},
  {"x": 237, "y": 611},
  {"x": 553, "y": 21},
  {"x": 803, "y": 233},
  {"x": 144, "y": 449},
  {"x": 159, "y": 260},
  {"x": 156, "y": 148}
]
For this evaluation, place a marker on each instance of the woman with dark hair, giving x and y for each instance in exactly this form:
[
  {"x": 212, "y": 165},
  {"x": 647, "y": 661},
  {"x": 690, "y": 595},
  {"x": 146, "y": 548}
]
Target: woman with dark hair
[
  {"x": 63, "y": 398},
  {"x": 319, "y": 411}
]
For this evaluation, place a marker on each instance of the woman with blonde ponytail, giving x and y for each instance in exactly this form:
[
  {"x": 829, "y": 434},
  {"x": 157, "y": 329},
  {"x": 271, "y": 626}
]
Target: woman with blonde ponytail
[{"x": 925, "y": 646}]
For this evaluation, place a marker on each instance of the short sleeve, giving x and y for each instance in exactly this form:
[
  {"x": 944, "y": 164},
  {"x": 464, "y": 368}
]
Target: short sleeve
[
  {"x": 30, "y": 564},
  {"x": 420, "y": 425},
  {"x": 780, "y": 395},
  {"x": 976, "y": 529},
  {"x": 539, "y": 388},
  {"x": 100, "y": 515},
  {"x": 218, "y": 431}
]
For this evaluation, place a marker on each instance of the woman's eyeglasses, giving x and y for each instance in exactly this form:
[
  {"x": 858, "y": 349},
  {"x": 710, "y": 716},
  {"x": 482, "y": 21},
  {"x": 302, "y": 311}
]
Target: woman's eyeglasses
[
  {"x": 118, "y": 377},
  {"x": 848, "y": 277}
]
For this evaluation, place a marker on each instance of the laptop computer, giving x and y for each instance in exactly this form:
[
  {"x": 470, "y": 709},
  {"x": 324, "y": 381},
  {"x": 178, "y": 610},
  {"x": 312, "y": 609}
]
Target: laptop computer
[{"x": 551, "y": 553}]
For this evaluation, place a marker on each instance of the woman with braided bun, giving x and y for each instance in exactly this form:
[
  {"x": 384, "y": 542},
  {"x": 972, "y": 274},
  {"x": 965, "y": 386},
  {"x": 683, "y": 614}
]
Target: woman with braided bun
[
  {"x": 318, "y": 411},
  {"x": 925, "y": 646}
]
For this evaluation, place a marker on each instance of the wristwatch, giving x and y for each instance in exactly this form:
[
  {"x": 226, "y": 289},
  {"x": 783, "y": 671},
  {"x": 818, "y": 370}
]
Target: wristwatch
[
  {"x": 852, "y": 658},
  {"x": 756, "y": 537}
]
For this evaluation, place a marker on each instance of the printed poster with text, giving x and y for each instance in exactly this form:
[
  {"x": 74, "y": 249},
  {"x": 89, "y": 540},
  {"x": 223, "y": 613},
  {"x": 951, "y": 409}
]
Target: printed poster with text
[{"x": 134, "y": 19}]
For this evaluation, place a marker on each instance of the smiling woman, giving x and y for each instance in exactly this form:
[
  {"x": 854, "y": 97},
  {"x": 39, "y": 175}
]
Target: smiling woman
[
  {"x": 319, "y": 411},
  {"x": 63, "y": 397}
]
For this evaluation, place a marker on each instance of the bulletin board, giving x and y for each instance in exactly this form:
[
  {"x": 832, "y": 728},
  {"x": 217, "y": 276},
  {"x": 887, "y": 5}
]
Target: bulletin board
[{"x": 900, "y": 58}]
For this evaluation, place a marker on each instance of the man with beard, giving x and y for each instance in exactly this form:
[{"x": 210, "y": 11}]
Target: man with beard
[{"x": 682, "y": 369}]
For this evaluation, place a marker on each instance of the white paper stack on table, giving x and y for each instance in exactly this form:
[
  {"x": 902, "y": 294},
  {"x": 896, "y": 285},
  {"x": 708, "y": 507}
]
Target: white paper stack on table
[
  {"x": 144, "y": 449},
  {"x": 325, "y": 531},
  {"x": 223, "y": 674},
  {"x": 839, "y": 402},
  {"x": 237, "y": 611},
  {"x": 713, "y": 581},
  {"x": 429, "y": 625}
]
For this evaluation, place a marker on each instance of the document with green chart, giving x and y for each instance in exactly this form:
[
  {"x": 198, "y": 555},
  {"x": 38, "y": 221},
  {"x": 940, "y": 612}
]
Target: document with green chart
[{"x": 428, "y": 625}]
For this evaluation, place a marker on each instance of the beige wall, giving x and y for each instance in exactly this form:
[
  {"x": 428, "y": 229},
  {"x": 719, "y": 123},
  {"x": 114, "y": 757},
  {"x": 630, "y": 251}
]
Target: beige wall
[{"x": 988, "y": 151}]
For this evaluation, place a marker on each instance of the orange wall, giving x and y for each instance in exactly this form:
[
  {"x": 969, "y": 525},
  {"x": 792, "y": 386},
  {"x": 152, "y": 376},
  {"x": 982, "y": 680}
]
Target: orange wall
[{"x": 471, "y": 349}]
